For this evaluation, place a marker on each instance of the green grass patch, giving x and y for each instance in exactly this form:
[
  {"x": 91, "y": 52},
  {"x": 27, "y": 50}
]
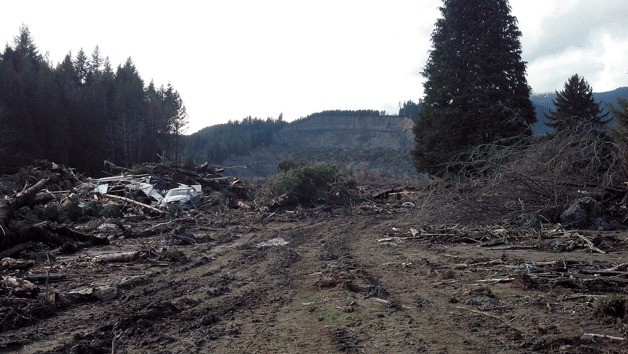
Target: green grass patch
[{"x": 338, "y": 318}]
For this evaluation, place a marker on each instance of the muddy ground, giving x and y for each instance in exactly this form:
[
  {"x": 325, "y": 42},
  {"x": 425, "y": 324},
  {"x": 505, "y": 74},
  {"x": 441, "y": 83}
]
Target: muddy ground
[{"x": 357, "y": 279}]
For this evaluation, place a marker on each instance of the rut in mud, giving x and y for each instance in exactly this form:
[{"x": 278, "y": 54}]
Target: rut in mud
[{"x": 326, "y": 284}]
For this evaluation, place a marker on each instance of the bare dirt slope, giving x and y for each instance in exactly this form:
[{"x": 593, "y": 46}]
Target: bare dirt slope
[{"x": 371, "y": 280}]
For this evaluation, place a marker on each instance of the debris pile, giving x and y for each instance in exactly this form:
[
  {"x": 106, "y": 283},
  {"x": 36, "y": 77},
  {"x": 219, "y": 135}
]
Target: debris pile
[{"x": 55, "y": 197}]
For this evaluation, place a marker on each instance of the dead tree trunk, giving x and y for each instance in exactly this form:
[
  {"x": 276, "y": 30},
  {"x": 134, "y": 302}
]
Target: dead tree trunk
[{"x": 9, "y": 205}]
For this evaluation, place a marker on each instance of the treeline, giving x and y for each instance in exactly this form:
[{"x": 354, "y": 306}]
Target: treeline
[
  {"x": 82, "y": 111},
  {"x": 345, "y": 113},
  {"x": 411, "y": 110},
  {"x": 214, "y": 144}
]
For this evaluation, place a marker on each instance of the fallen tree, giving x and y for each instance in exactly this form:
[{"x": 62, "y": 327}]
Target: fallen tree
[{"x": 17, "y": 235}]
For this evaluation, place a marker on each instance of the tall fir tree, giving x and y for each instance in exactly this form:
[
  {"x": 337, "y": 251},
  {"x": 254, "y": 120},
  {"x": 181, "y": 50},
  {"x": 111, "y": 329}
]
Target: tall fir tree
[
  {"x": 476, "y": 91},
  {"x": 575, "y": 108},
  {"x": 18, "y": 91},
  {"x": 177, "y": 120}
]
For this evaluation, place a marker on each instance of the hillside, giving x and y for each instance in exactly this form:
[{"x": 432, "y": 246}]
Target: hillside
[
  {"x": 370, "y": 143},
  {"x": 364, "y": 140}
]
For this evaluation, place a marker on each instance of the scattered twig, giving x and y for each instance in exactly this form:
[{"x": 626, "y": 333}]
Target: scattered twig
[
  {"x": 512, "y": 247},
  {"x": 603, "y": 272},
  {"x": 128, "y": 200},
  {"x": 117, "y": 257},
  {"x": 493, "y": 262},
  {"x": 590, "y": 244},
  {"x": 595, "y": 335},
  {"x": 451, "y": 281},
  {"x": 482, "y": 313},
  {"x": 496, "y": 280}
]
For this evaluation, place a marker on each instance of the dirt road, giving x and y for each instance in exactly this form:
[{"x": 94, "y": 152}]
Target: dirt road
[{"x": 327, "y": 280}]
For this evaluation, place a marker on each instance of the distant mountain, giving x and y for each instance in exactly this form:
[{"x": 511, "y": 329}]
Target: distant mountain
[{"x": 543, "y": 103}]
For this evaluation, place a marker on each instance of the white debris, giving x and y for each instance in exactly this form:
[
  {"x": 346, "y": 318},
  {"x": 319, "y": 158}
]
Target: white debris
[{"x": 273, "y": 242}]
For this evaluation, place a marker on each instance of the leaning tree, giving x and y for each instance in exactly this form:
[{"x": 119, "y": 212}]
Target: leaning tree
[{"x": 476, "y": 90}]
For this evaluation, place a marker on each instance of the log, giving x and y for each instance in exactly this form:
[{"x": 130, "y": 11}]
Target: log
[
  {"x": 8, "y": 236},
  {"x": 128, "y": 200},
  {"x": 23, "y": 235},
  {"x": 78, "y": 236},
  {"x": 117, "y": 257},
  {"x": 414, "y": 237},
  {"x": 13, "y": 264},
  {"x": 512, "y": 248},
  {"x": 45, "y": 278},
  {"x": 15, "y": 250},
  {"x": 10, "y": 205},
  {"x": 596, "y": 335}
]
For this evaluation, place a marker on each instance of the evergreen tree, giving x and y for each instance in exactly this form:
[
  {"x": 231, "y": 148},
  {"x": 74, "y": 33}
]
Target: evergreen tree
[
  {"x": 476, "y": 91},
  {"x": 94, "y": 65},
  {"x": 575, "y": 108},
  {"x": 81, "y": 66},
  {"x": 410, "y": 110},
  {"x": 128, "y": 108},
  {"x": 18, "y": 91},
  {"x": 176, "y": 116}
]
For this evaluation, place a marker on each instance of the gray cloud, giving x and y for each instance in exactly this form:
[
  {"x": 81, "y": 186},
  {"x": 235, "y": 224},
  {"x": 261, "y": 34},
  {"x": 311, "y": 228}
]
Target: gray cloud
[
  {"x": 588, "y": 37},
  {"x": 580, "y": 27}
]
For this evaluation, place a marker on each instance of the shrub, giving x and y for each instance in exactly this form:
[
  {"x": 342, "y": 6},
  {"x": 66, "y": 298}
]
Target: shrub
[
  {"x": 92, "y": 209},
  {"x": 287, "y": 165},
  {"x": 306, "y": 184},
  {"x": 111, "y": 210},
  {"x": 50, "y": 212},
  {"x": 70, "y": 211}
]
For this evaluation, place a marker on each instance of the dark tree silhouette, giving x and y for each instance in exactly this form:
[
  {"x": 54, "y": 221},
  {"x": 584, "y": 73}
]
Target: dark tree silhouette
[
  {"x": 575, "y": 108},
  {"x": 476, "y": 91},
  {"x": 80, "y": 112},
  {"x": 410, "y": 110}
]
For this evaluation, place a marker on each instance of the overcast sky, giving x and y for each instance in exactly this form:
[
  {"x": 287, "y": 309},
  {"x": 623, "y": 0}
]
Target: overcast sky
[{"x": 233, "y": 59}]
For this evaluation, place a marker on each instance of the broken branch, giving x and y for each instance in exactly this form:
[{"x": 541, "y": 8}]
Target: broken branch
[
  {"x": 590, "y": 244},
  {"x": 128, "y": 200}
]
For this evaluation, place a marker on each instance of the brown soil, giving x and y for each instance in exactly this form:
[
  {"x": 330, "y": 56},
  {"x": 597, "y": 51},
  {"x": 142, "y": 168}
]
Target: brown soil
[{"x": 332, "y": 286}]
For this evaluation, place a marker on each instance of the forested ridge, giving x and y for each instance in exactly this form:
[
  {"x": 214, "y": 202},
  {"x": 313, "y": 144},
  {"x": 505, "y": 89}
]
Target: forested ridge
[
  {"x": 216, "y": 143},
  {"x": 83, "y": 111}
]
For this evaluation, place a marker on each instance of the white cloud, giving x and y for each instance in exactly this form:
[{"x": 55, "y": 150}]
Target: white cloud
[
  {"x": 231, "y": 59},
  {"x": 577, "y": 36}
]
